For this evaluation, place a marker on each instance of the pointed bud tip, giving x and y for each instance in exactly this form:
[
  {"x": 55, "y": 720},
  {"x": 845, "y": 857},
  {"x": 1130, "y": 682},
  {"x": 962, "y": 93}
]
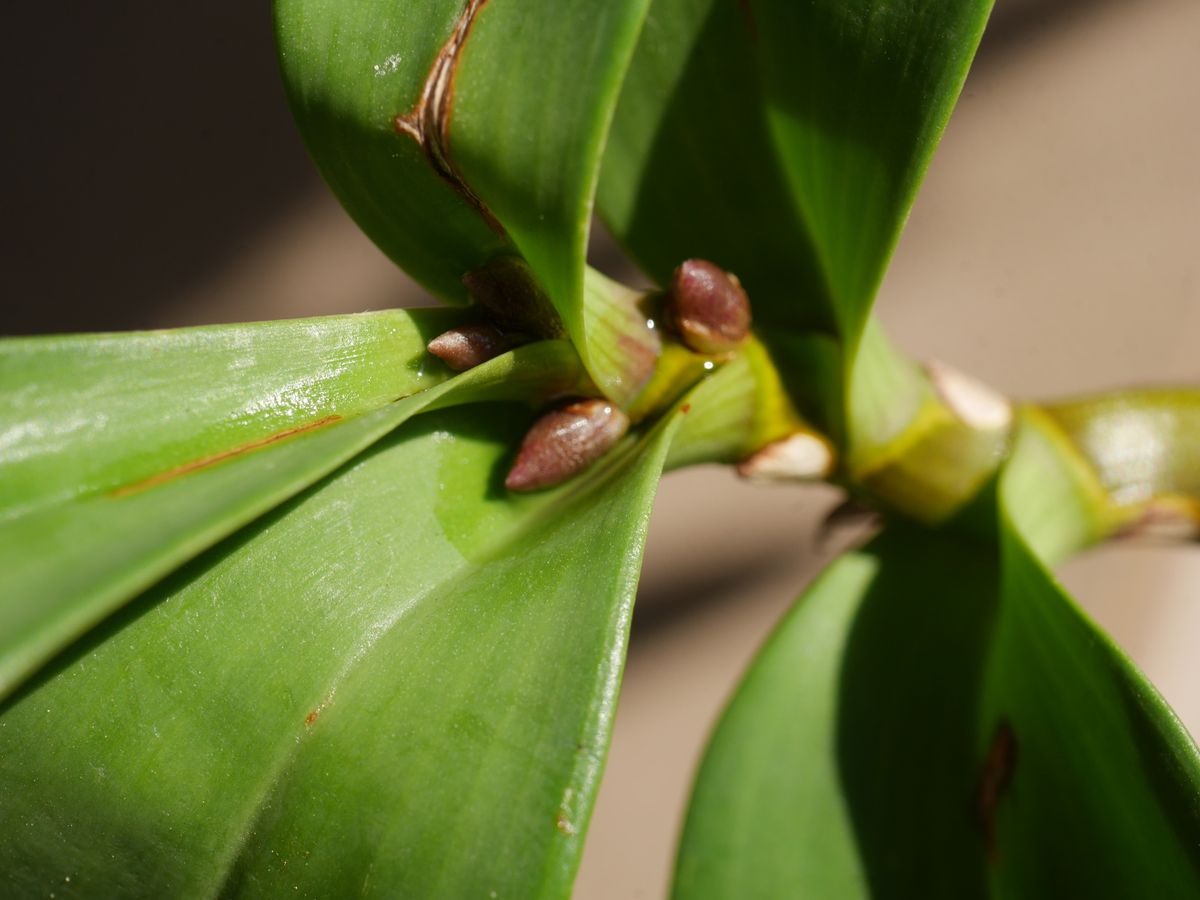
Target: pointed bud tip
[
  {"x": 521, "y": 477},
  {"x": 564, "y": 442},
  {"x": 708, "y": 307},
  {"x": 468, "y": 346}
]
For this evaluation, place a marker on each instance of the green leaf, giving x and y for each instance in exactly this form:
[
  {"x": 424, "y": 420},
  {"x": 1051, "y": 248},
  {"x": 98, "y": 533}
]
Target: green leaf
[
  {"x": 350, "y": 68},
  {"x": 508, "y": 164},
  {"x": 175, "y": 442},
  {"x": 812, "y": 121},
  {"x": 400, "y": 683},
  {"x": 845, "y": 765},
  {"x": 937, "y": 718},
  {"x": 82, "y": 414},
  {"x": 1105, "y": 796}
]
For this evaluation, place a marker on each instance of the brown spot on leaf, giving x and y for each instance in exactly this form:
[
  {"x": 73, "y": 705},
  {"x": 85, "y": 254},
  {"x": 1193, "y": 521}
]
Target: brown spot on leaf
[
  {"x": 312, "y": 717},
  {"x": 994, "y": 779},
  {"x": 428, "y": 123},
  {"x": 205, "y": 462}
]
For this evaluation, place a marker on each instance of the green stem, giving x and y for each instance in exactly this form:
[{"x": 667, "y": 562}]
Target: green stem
[
  {"x": 920, "y": 441},
  {"x": 1142, "y": 447},
  {"x": 923, "y": 442}
]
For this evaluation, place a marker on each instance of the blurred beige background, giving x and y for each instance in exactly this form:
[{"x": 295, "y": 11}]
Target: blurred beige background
[{"x": 154, "y": 180}]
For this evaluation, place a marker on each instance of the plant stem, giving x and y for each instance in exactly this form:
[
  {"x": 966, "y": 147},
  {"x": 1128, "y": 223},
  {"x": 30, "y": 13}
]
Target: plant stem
[
  {"x": 920, "y": 441},
  {"x": 1143, "y": 450},
  {"x": 923, "y": 442}
]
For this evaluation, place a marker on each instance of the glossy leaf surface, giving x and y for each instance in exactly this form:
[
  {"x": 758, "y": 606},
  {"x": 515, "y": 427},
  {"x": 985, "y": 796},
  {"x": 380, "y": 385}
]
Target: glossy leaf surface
[
  {"x": 82, "y": 414},
  {"x": 515, "y": 128},
  {"x": 124, "y": 455},
  {"x": 350, "y": 68},
  {"x": 813, "y": 121},
  {"x": 400, "y": 683},
  {"x": 938, "y": 719},
  {"x": 200, "y": 404}
]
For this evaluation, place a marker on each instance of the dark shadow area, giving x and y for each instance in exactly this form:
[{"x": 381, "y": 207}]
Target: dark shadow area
[
  {"x": 908, "y": 714},
  {"x": 696, "y": 196},
  {"x": 709, "y": 583},
  {"x": 145, "y": 144},
  {"x": 1016, "y": 22}
]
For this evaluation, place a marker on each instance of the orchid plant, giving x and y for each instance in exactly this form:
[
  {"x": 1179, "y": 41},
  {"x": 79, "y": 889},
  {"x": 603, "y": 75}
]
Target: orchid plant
[{"x": 339, "y": 606}]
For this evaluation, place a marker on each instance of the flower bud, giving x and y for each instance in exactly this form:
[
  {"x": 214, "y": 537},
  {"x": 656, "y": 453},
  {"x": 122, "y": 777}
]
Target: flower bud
[
  {"x": 564, "y": 442},
  {"x": 708, "y": 307},
  {"x": 467, "y": 346},
  {"x": 507, "y": 288}
]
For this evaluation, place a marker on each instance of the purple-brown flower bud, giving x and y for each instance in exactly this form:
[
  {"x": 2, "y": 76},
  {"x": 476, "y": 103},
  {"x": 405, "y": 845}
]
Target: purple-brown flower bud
[
  {"x": 564, "y": 442},
  {"x": 708, "y": 307},
  {"x": 467, "y": 346},
  {"x": 509, "y": 291}
]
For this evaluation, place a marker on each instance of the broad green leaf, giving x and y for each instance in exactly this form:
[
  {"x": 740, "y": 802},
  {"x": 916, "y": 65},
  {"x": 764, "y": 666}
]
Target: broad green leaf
[
  {"x": 125, "y": 455},
  {"x": 936, "y": 718},
  {"x": 1105, "y": 794},
  {"x": 502, "y": 156},
  {"x": 533, "y": 101},
  {"x": 350, "y": 68},
  {"x": 85, "y": 414},
  {"x": 846, "y": 764},
  {"x": 785, "y": 141},
  {"x": 400, "y": 683}
]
